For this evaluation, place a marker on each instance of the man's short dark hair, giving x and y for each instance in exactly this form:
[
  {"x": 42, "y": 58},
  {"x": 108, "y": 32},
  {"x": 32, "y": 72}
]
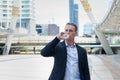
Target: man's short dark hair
[{"x": 73, "y": 24}]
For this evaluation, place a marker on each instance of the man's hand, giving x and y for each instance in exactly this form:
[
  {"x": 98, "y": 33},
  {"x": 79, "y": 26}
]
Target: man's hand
[
  {"x": 59, "y": 36},
  {"x": 62, "y": 36}
]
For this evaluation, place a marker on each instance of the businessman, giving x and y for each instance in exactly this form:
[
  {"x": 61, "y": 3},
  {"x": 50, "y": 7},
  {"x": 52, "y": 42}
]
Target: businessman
[{"x": 70, "y": 60}]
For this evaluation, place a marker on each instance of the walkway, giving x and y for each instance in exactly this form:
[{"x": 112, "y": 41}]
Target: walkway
[
  {"x": 104, "y": 67},
  {"x": 35, "y": 67}
]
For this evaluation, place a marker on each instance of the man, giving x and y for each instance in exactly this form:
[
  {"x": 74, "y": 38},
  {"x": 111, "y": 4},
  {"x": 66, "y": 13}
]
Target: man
[{"x": 70, "y": 60}]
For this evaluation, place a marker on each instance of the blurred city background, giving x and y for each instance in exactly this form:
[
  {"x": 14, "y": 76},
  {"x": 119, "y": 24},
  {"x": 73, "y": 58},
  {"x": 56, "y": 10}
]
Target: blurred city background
[
  {"x": 22, "y": 30},
  {"x": 26, "y": 26}
]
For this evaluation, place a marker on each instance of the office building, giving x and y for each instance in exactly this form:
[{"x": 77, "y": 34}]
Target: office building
[
  {"x": 5, "y": 13},
  {"x": 38, "y": 29},
  {"x": 53, "y": 29},
  {"x": 47, "y": 29},
  {"x": 25, "y": 13},
  {"x": 73, "y": 12},
  {"x": 87, "y": 29}
]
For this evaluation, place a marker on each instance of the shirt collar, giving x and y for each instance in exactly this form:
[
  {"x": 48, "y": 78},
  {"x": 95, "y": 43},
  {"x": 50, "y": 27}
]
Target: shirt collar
[{"x": 69, "y": 45}]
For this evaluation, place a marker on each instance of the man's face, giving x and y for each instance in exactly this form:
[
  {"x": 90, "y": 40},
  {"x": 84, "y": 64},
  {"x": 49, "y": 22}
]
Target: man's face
[{"x": 69, "y": 29}]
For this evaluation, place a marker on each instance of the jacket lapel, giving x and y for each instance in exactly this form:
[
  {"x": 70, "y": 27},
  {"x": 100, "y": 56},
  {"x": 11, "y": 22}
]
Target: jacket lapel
[
  {"x": 79, "y": 58},
  {"x": 64, "y": 49}
]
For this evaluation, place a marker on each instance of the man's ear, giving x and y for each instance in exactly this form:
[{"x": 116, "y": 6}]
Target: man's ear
[{"x": 76, "y": 33}]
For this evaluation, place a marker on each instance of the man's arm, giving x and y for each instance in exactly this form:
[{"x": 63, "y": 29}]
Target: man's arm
[{"x": 48, "y": 50}]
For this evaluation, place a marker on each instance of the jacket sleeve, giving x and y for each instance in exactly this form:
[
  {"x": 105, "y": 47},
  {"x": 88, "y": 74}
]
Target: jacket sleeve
[{"x": 49, "y": 49}]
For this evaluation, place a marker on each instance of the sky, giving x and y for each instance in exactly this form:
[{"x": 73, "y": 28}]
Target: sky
[{"x": 57, "y": 11}]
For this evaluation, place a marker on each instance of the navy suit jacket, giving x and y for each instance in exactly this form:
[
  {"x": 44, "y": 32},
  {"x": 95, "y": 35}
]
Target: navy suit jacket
[{"x": 58, "y": 50}]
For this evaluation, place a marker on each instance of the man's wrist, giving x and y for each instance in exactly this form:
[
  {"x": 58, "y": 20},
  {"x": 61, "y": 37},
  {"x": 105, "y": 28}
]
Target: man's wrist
[{"x": 58, "y": 36}]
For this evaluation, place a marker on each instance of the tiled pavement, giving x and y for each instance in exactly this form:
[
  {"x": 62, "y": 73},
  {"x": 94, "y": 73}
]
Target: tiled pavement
[
  {"x": 35, "y": 67},
  {"x": 104, "y": 67}
]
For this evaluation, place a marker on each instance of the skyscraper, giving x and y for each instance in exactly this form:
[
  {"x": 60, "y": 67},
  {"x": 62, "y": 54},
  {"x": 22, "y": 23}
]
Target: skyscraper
[
  {"x": 73, "y": 12},
  {"x": 25, "y": 13},
  {"x": 88, "y": 29},
  {"x": 5, "y": 13}
]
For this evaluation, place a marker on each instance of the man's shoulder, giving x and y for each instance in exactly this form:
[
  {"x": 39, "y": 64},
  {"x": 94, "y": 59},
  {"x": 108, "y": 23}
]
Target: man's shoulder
[
  {"x": 61, "y": 43},
  {"x": 80, "y": 47}
]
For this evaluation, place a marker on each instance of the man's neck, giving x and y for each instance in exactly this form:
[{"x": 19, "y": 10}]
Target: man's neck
[{"x": 70, "y": 42}]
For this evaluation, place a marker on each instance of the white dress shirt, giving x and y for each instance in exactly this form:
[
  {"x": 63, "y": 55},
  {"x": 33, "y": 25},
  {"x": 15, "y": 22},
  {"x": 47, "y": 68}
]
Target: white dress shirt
[{"x": 72, "y": 70}]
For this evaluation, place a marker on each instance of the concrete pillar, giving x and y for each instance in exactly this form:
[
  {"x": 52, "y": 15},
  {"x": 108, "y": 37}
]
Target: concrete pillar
[
  {"x": 7, "y": 45},
  {"x": 32, "y": 29},
  {"x": 15, "y": 14},
  {"x": 103, "y": 41}
]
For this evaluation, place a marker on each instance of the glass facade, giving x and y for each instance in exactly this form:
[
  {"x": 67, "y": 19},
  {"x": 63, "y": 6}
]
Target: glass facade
[
  {"x": 5, "y": 13},
  {"x": 73, "y": 12},
  {"x": 75, "y": 16},
  {"x": 25, "y": 14},
  {"x": 88, "y": 29}
]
